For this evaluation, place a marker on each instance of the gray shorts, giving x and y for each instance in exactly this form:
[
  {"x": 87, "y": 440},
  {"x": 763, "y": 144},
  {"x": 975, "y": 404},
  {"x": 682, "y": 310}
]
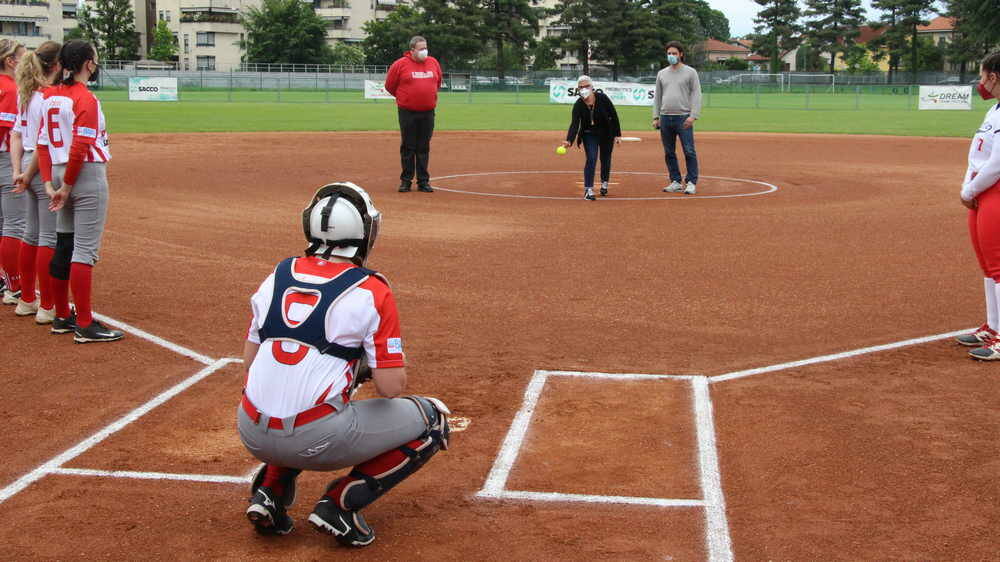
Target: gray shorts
[
  {"x": 13, "y": 205},
  {"x": 40, "y": 222},
  {"x": 358, "y": 432},
  {"x": 85, "y": 212}
]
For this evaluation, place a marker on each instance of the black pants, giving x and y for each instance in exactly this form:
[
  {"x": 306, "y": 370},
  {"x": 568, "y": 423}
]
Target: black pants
[
  {"x": 594, "y": 143},
  {"x": 415, "y": 128}
]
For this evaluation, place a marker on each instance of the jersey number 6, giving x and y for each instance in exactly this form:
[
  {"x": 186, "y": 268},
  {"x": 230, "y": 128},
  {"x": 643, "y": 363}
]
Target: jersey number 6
[{"x": 55, "y": 135}]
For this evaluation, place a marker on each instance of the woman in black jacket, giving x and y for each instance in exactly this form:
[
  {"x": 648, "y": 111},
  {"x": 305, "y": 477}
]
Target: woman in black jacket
[{"x": 595, "y": 124}]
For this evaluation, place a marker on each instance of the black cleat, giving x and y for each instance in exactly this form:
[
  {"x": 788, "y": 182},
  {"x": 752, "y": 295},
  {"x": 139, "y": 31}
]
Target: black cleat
[
  {"x": 64, "y": 325},
  {"x": 267, "y": 515},
  {"x": 96, "y": 332},
  {"x": 425, "y": 187},
  {"x": 404, "y": 187},
  {"x": 349, "y": 527}
]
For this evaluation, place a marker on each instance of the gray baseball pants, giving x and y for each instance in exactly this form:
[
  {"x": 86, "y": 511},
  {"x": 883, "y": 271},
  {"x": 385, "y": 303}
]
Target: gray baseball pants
[
  {"x": 358, "y": 432},
  {"x": 13, "y": 204},
  {"x": 86, "y": 211},
  {"x": 40, "y": 222}
]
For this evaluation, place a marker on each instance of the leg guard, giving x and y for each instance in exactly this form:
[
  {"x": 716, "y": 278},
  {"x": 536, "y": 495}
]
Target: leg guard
[
  {"x": 59, "y": 267},
  {"x": 285, "y": 477},
  {"x": 371, "y": 479}
]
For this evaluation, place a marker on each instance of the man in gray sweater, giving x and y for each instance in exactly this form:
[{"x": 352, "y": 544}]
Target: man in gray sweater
[{"x": 676, "y": 106}]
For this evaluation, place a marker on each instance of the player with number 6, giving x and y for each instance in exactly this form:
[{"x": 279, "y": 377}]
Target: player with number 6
[{"x": 981, "y": 194}]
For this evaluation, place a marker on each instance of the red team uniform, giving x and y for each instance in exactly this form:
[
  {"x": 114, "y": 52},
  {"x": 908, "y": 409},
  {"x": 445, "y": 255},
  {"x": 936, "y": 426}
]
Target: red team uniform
[{"x": 12, "y": 220}]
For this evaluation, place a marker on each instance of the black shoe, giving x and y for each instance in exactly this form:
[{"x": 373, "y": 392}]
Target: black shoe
[
  {"x": 604, "y": 192},
  {"x": 267, "y": 515},
  {"x": 349, "y": 527},
  {"x": 404, "y": 187},
  {"x": 426, "y": 188},
  {"x": 64, "y": 325},
  {"x": 96, "y": 332},
  {"x": 288, "y": 498}
]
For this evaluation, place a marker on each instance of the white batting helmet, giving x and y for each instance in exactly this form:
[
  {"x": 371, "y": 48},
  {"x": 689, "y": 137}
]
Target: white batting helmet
[{"x": 341, "y": 221}]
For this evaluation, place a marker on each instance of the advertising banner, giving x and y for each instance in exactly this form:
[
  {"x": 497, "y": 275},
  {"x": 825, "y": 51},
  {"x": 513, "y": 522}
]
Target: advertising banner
[
  {"x": 621, "y": 93},
  {"x": 376, "y": 91},
  {"x": 945, "y": 97},
  {"x": 146, "y": 88}
]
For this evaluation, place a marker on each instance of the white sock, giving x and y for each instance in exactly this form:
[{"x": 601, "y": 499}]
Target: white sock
[{"x": 990, "y": 288}]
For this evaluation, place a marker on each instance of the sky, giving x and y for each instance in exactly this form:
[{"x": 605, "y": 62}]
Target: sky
[{"x": 742, "y": 12}]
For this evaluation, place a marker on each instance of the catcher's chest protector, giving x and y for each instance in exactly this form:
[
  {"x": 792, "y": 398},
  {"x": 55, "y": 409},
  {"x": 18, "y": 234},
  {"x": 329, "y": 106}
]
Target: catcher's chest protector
[{"x": 310, "y": 331}]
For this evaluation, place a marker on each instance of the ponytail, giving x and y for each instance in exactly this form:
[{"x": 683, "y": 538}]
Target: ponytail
[{"x": 33, "y": 70}]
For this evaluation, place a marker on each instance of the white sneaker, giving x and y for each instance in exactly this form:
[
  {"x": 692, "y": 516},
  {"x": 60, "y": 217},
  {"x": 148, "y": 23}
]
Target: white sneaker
[
  {"x": 45, "y": 315},
  {"x": 690, "y": 189},
  {"x": 674, "y": 187},
  {"x": 11, "y": 297},
  {"x": 589, "y": 194},
  {"x": 26, "y": 308}
]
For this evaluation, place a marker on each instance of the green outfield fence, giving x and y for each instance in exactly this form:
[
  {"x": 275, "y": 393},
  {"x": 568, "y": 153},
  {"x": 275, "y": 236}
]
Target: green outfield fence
[{"x": 325, "y": 84}]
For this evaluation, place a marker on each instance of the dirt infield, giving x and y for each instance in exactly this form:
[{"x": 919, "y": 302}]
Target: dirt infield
[{"x": 505, "y": 271}]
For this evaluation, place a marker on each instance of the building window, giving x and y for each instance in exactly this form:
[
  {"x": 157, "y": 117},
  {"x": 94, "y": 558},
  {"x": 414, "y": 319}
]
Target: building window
[
  {"x": 206, "y": 63},
  {"x": 187, "y": 43},
  {"x": 161, "y": 15},
  {"x": 205, "y": 39},
  {"x": 168, "y": 16}
]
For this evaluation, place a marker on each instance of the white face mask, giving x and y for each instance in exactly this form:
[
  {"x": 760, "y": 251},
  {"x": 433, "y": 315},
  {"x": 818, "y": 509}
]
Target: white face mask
[
  {"x": 585, "y": 92},
  {"x": 422, "y": 54}
]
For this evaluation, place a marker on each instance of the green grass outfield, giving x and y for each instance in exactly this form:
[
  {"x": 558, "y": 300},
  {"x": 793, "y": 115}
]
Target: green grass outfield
[{"x": 340, "y": 110}]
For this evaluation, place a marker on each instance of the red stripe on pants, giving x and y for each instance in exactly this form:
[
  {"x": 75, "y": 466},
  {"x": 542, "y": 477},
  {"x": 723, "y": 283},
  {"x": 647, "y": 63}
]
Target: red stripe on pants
[{"x": 984, "y": 230}]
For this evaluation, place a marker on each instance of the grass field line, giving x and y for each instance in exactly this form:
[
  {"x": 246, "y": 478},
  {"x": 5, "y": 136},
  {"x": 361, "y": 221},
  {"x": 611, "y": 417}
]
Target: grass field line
[
  {"x": 83, "y": 446},
  {"x": 835, "y": 356},
  {"x": 216, "y": 478}
]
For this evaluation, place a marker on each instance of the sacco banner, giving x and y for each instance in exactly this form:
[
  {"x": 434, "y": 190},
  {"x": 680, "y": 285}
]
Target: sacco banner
[
  {"x": 621, "y": 93},
  {"x": 945, "y": 97},
  {"x": 152, "y": 89},
  {"x": 376, "y": 91}
]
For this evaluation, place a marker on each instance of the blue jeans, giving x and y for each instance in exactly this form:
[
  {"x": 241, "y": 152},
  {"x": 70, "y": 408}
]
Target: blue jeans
[
  {"x": 671, "y": 127},
  {"x": 594, "y": 145}
]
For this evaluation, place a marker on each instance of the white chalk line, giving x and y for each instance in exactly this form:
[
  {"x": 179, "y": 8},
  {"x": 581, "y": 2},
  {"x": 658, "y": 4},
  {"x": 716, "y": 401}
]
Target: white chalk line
[
  {"x": 770, "y": 187},
  {"x": 88, "y": 443},
  {"x": 835, "y": 356},
  {"x": 497, "y": 479},
  {"x": 216, "y": 478},
  {"x": 180, "y": 350},
  {"x": 558, "y": 497},
  {"x": 717, "y": 538},
  {"x": 620, "y": 376}
]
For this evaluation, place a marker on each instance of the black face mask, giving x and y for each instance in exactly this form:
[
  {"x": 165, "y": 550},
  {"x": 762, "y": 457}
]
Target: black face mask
[{"x": 96, "y": 74}]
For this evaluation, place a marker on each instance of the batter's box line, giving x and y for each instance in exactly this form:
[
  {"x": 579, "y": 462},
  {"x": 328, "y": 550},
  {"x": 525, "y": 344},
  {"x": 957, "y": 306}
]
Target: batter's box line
[{"x": 718, "y": 542}]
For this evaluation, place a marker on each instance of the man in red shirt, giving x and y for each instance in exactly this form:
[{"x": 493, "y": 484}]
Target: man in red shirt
[{"x": 414, "y": 80}]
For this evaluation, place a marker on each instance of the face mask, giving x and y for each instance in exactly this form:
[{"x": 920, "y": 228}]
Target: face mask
[
  {"x": 672, "y": 59},
  {"x": 585, "y": 92},
  {"x": 983, "y": 92},
  {"x": 96, "y": 74},
  {"x": 422, "y": 54}
]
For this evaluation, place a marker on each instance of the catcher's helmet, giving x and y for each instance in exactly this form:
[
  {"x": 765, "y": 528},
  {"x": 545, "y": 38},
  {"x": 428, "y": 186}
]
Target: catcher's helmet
[{"x": 341, "y": 221}]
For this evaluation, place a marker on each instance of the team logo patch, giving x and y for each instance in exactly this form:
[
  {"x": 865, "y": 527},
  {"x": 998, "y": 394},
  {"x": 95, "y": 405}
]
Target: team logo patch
[{"x": 395, "y": 345}]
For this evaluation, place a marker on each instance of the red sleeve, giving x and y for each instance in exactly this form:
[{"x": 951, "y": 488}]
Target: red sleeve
[
  {"x": 388, "y": 343},
  {"x": 440, "y": 73},
  {"x": 77, "y": 154},
  {"x": 392, "y": 78},
  {"x": 85, "y": 119},
  {"x": 8, "y": 107},
  {"x": 44, "y": 162}
]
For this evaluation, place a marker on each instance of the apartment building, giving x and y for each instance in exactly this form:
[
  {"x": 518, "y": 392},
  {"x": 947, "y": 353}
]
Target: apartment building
[
  {"x": 346, "y": 18},
  {"x": 31, "y": 22},
  {"x": 208, "y": 32}
]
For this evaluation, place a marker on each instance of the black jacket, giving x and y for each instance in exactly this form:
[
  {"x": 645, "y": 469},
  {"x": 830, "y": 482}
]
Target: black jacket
[{"x": 602, "y": 119}]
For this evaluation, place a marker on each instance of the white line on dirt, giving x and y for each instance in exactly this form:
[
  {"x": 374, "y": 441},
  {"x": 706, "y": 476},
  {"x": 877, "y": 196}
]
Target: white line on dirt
[
  {"x": 151, "y": 475},
  {"x": 155, "y": 339},
  {"x": 556, "y": 497},
  {"x": 621, "y": 376},
  {"x": 497, "y": 479},
  {"x": 716, "y": 528},
  {"x": 834, "y": 356},
  {"x": 83, "y": 446}
]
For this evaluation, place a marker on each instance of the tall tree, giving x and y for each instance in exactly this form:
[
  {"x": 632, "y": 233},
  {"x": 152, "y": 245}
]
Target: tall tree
[
  {"x": 346, "y": 54},
  {"x": 713, "y": 23},
  {"x": 285, "y": 31},
  {"x": 509, "y": 22},
  {"x": 386, "y": 40},
  {"x": 976, "y": 31},
  {"x": 164, "y": 44},
  {"x": 914, "y": 13},
  {"x": 444, "y": 24},
  {"x": 892, "y": 42},
  {"x": 777, "y": 30},
  {"x": 833, "y": 25},
  {"x": 579, "y": 28},
  {"x": 110, "y": 27}
]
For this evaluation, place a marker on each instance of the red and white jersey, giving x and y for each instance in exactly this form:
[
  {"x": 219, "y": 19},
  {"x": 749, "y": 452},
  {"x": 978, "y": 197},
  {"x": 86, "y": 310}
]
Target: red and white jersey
[
  {"x": 984, "y": 157},
  {"x": 29, "y": 120},
  {"x": 71, "y": 112},
  {"x": 287, "y": 378},
  {"x": 8, "y": 109}
]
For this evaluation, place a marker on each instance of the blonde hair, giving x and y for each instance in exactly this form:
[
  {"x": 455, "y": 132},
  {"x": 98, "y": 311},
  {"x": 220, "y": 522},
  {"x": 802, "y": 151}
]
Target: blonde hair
[
  {"x": 8, "y": 48},
  {"x": 33, "y": 70}
]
